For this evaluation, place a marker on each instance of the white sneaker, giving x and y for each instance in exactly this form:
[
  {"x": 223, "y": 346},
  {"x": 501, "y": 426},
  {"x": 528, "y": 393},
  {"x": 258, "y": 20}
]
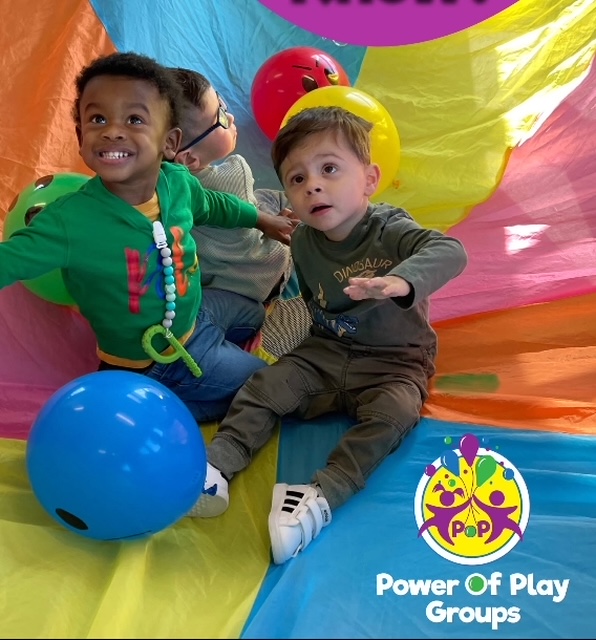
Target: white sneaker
[
  {"x": 297, "y": 516},
  {"x": 215, "y": 497}
]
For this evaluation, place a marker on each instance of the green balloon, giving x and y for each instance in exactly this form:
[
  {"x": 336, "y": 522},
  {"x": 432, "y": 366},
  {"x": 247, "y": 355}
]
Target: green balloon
[
  {"x": 29, "y": 203},
  {"x": 485, "y": 469}
]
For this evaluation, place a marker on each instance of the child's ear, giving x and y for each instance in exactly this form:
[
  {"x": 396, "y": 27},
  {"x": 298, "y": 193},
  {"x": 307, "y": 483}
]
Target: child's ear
[
  {"x": 190, "y": 158},
  {"x": 79, "y": 135},
  {"x": 172, "y": 143},
  {"x": 184, "y": 157},
  {"x": 373, "y": 176}
]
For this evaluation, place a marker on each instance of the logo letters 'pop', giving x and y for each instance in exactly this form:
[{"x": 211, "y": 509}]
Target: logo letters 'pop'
[{"x": 472, "y": 505}]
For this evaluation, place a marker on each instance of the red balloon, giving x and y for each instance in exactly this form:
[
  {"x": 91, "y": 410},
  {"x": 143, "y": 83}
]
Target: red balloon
[{"x": 286, "y": 77}]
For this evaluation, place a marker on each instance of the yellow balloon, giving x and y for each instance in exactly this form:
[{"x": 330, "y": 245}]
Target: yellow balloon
[{"x": 384, "y": 142}]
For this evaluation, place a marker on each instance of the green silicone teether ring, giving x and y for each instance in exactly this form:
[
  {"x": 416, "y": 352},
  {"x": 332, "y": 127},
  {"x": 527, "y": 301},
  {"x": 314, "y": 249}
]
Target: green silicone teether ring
[{"x": 179, "y": 350}]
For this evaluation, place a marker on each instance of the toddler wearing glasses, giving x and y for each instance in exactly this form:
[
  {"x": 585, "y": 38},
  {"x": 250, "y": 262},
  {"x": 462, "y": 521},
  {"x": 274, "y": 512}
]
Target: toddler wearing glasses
[{"x": 239, "y": 261}]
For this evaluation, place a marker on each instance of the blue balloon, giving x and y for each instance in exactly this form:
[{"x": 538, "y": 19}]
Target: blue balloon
[
  {"x": 114, "y": 455},
  {"x": 450, "y": 460}
]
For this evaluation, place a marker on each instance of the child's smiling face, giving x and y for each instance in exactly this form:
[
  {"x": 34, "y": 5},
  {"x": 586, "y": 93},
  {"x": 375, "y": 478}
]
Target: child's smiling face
[{"x": 125, "y": 133}]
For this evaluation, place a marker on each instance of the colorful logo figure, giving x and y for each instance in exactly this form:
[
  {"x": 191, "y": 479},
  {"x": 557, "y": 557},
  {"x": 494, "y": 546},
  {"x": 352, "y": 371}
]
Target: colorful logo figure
[{"x": 472, "y": 505}]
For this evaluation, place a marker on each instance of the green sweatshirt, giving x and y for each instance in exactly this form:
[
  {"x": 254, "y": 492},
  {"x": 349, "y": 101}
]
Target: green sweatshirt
[{"x": 109, "y": 261}]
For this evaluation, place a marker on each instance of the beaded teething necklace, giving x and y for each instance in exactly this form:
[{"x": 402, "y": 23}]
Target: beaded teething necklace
[{"x": 161, "y": 244}]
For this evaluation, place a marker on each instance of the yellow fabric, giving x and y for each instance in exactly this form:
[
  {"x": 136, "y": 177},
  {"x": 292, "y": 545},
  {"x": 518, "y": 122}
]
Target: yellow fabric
[
  {"x": 488, "y": 89},
  {"x": 197, "y": 579}
]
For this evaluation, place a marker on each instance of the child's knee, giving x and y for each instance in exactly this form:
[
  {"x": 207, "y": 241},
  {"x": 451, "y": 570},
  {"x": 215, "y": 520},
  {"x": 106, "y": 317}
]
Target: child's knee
[
  {"x": 280, "y": 383},
  {"x": 398, "y": 405}
]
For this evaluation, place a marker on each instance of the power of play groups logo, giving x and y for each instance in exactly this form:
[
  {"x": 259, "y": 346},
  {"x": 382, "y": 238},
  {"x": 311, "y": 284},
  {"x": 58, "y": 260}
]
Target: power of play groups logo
[{"x": 471, "y": 505}]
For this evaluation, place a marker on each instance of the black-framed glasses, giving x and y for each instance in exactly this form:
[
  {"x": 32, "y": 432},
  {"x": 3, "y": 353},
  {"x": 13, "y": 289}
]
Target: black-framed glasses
[{"x": 222, "y": 121}]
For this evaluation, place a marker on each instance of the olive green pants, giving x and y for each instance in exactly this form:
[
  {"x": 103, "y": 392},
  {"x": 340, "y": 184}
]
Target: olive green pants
[{"x": 383, "y": 389}]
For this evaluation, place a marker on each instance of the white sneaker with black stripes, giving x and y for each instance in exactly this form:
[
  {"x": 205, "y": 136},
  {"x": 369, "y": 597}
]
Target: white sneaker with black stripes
[{"x": 298, "y": 513}]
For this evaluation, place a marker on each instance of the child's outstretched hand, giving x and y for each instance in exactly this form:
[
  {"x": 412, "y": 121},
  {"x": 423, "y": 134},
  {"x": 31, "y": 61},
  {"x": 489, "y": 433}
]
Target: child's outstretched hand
[
  {"x": 276, "y": 227},
  {"x": 379, "y": 288}
]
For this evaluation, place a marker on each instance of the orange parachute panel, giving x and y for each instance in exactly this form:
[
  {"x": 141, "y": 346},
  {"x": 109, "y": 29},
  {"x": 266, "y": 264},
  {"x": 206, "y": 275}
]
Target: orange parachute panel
[{"x": 46, "y": 45}]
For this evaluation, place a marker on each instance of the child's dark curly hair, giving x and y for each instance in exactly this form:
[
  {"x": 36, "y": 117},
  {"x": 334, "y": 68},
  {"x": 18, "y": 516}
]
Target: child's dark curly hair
[{"x": 136, "y": 66}]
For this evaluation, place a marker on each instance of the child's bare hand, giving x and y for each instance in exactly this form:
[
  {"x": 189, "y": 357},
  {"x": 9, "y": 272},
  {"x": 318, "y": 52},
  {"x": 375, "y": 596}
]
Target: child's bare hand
[
  {"x": 277, "y": 227},
  {"x": 288, "y": 213},
  {"x": 378, "y": 288}
]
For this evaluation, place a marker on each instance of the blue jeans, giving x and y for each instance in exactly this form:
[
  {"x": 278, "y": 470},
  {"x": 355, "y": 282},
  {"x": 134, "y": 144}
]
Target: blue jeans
[{"x": 225, "y": 320}]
